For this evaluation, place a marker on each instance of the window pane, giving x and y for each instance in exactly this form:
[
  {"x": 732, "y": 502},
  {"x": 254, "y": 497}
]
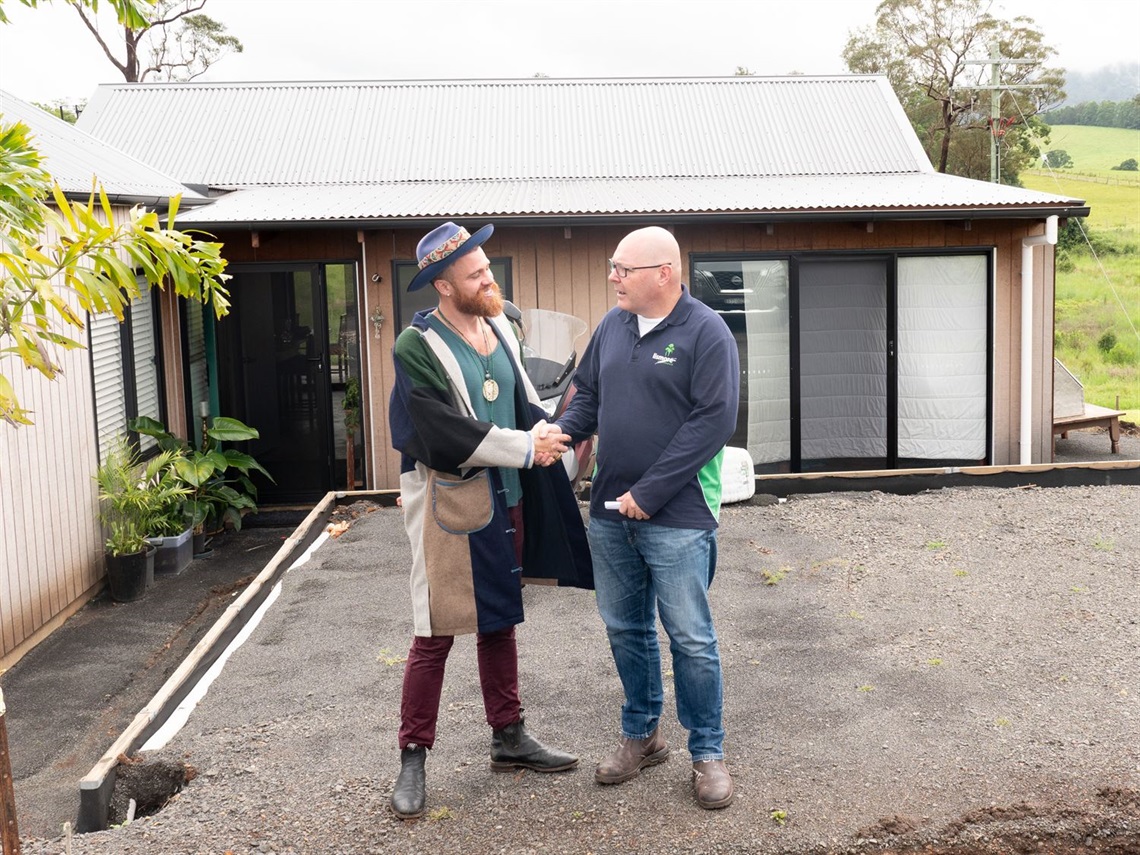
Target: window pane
[
  {"x": 752, "y": 297},
  {"x": 147, "y": 402},
  {"x": 942, "y": 311},
  {"x": 196, "y": 364},
  {"x": 107, "y": 374},
  {"x": 843, "y": 361},
  {"x": 344, "y": 346}
]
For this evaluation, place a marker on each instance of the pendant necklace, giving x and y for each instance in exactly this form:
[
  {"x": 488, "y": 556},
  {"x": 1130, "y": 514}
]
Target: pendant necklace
[{"x": 490, "y": 387}]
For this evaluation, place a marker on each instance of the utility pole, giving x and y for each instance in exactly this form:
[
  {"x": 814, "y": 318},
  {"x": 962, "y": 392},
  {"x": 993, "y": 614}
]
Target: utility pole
[{"x": 995, "y": 63}]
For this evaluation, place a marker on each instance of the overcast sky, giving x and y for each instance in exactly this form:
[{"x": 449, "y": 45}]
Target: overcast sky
[{"x": 47, "y": 54}]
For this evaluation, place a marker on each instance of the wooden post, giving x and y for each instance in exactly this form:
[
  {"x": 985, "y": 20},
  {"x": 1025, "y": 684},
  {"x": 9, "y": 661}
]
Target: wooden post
[{"x": 9, "y": 835}]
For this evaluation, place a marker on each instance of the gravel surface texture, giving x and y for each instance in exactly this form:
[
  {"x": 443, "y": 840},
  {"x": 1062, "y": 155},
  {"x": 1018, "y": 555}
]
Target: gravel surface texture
[{"x": 950, "y": 672}]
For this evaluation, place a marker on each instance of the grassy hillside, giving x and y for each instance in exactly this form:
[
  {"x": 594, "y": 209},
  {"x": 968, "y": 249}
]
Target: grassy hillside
[
  {"x": 1098, "y": 296},
  {"x": 1096, "y": 150}
]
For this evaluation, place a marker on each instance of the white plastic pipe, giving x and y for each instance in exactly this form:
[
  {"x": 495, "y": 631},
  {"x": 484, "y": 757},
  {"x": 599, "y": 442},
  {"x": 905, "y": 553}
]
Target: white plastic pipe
[{"x": 1027, "y": 244}]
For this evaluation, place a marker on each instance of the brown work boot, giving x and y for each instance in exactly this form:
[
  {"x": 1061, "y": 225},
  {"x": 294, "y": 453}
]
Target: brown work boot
[
  {"x": 631, "y": 757},
  {"x": 713, "y": 784}
]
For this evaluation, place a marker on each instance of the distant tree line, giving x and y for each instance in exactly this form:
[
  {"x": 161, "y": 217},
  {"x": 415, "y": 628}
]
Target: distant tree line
[{"x": 1102, "y": 114}]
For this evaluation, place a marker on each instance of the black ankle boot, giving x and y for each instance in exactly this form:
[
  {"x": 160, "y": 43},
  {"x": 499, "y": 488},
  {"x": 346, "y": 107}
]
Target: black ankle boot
[
  {"x": 408, "y": 794},
  {"x": 513, "y": 748}
]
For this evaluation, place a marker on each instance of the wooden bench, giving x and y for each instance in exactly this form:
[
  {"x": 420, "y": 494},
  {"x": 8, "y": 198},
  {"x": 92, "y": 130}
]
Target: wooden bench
[{"x": 1093, "y": 416}]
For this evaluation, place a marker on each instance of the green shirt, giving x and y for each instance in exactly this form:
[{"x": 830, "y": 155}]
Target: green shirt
[{"x": 501, "y": 411}]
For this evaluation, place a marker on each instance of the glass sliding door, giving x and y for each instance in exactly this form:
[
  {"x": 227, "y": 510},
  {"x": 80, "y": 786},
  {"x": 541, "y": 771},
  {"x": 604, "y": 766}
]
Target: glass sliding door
[
  {"x": 768, "y": 370},
  {"x": 286, "y": 354},
  {"x": 943, "y": 365},
  {"x": 858, "y": 361},
  {"x": 843, "y": 364},
  {"x": 344, "y": 372}
]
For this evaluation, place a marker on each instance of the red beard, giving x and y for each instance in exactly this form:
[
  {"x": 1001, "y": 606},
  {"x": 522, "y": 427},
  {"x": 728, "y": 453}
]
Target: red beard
[{"x": 479, "y": 304}]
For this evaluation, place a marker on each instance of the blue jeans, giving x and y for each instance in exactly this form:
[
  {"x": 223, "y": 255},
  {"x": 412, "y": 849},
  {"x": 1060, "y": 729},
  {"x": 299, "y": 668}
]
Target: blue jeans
[{"x": 640, "y": 569}]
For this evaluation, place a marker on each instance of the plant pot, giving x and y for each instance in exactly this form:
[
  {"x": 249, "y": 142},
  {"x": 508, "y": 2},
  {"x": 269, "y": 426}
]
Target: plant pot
[
  {"x": 201, "y": 545},
  {"x": 127, "y": 574},
  {"x": 174, "y": 553}
]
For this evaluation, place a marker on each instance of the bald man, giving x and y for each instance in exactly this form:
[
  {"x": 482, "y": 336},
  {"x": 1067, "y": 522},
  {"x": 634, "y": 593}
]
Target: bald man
[{"x": 660, "y": 384}]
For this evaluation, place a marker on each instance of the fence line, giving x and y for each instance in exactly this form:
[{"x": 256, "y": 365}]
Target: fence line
[{"x": 1085, "y": 176}]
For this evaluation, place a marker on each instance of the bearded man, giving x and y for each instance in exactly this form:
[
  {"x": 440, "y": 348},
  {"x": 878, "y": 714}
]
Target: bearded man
[{"x": 482, "y": 505}]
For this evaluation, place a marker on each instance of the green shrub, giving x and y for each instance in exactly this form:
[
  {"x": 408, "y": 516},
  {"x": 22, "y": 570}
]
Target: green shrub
[
  {"x": 1123, "y": 356},
  {"x": 1058, "y": 158},
  {"x": 1106, "y": 342},
  {"x": 1129, "y": 165}
]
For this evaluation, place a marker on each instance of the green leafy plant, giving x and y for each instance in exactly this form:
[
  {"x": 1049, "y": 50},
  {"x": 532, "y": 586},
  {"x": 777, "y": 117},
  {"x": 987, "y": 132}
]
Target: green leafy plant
[
  {"x": 780, "y": 817},
  {"x": 170, "y": 518},
  {"x": 351, "y": 425},
  {"x": 352, "y": 404},
  {"x": 63, "y": 259},
  {"x": 134, "y": 495},
  {"x": 217, "y": 479}
]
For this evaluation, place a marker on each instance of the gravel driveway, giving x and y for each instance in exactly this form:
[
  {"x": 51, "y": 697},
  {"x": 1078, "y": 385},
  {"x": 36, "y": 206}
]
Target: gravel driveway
[{"x": 955, "y": 671}]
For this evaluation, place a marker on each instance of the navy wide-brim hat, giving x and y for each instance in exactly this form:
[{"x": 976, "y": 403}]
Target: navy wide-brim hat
[{"x": 442, "y": 247}]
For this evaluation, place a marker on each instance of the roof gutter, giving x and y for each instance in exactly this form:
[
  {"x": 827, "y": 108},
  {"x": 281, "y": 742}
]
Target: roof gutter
[
  {"x": 1027, "y": 244},
  {"x": 157, "y": 203},
  {"x": 664, "y": 218}
]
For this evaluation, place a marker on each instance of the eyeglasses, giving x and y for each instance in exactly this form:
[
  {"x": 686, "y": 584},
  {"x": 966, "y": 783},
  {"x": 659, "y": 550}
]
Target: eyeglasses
[{"x": 623, "y": 271}]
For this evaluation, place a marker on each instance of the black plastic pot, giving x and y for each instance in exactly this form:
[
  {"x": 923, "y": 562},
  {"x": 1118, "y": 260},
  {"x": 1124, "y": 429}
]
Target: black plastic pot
[
  {"x": 127, "y": 574},
  {"x": 201, "y": 542}
]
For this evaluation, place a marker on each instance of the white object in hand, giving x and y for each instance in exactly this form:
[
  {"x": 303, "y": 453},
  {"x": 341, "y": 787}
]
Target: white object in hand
[{"x": 612, "y": 506}]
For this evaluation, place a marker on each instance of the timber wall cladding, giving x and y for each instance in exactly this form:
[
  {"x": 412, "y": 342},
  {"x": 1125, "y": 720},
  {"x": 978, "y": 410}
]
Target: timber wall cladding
[{"x": 51, "y": 557}]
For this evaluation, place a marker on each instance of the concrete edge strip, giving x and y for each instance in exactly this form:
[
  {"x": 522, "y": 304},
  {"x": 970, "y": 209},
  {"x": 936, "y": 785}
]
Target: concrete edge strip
[
  {"x": 169, "y": 726},
  {"x": 905, "y": 481},
  {"x": 96, "y": 786},
  {"x": 1032, "y": 468}
]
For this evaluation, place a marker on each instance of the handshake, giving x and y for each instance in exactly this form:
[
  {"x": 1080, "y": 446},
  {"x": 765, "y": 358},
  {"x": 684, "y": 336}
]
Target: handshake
[{"x": 549, "y": 443}]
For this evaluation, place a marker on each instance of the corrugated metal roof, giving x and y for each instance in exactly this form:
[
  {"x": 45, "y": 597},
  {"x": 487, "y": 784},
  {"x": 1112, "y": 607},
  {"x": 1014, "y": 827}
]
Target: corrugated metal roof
[
  {"x": 73, "y": 157},
  {"x": 391, "y": 150},
  {"x": 604, "y": 196},
  {"x": 249, "y": 134}
]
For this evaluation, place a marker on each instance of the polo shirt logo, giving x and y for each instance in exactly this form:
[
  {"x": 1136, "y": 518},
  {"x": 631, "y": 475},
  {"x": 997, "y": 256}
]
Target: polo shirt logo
[{"x": 668, "y": 358}]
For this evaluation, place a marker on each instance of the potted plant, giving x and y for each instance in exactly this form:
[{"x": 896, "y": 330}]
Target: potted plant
[
  {"x": 169, "y": 530},
  {"x": 217, "y": 479},
  {"x": 127, "y": 505}
]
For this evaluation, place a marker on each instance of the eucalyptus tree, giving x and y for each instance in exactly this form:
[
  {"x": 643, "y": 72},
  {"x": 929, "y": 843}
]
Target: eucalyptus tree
[
  {"x": 174, "y": 43},
  {"x": 942, "y": 58}
]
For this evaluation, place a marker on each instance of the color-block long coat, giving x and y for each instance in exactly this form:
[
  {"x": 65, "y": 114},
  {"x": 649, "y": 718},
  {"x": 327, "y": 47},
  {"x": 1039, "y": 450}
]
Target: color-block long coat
[{"x": 465, "y": 576}]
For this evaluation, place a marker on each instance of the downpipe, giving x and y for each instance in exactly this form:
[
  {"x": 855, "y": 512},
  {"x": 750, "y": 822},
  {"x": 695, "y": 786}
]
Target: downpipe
[{"x": 1027, "y": 244}]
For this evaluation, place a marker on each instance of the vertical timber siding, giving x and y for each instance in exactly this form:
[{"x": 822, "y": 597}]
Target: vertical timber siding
[
  {"x": 51, "y": 545},
  {"x": 51, "y": 557}
]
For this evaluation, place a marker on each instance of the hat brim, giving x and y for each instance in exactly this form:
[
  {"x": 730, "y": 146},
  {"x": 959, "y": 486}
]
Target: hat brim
[{"x": 432, "y": 271}]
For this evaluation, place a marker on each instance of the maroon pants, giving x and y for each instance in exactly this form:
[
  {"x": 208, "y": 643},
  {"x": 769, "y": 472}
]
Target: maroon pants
[
  {"x": 498, "y": 676},
  {"x": 423, "y": 683}
]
